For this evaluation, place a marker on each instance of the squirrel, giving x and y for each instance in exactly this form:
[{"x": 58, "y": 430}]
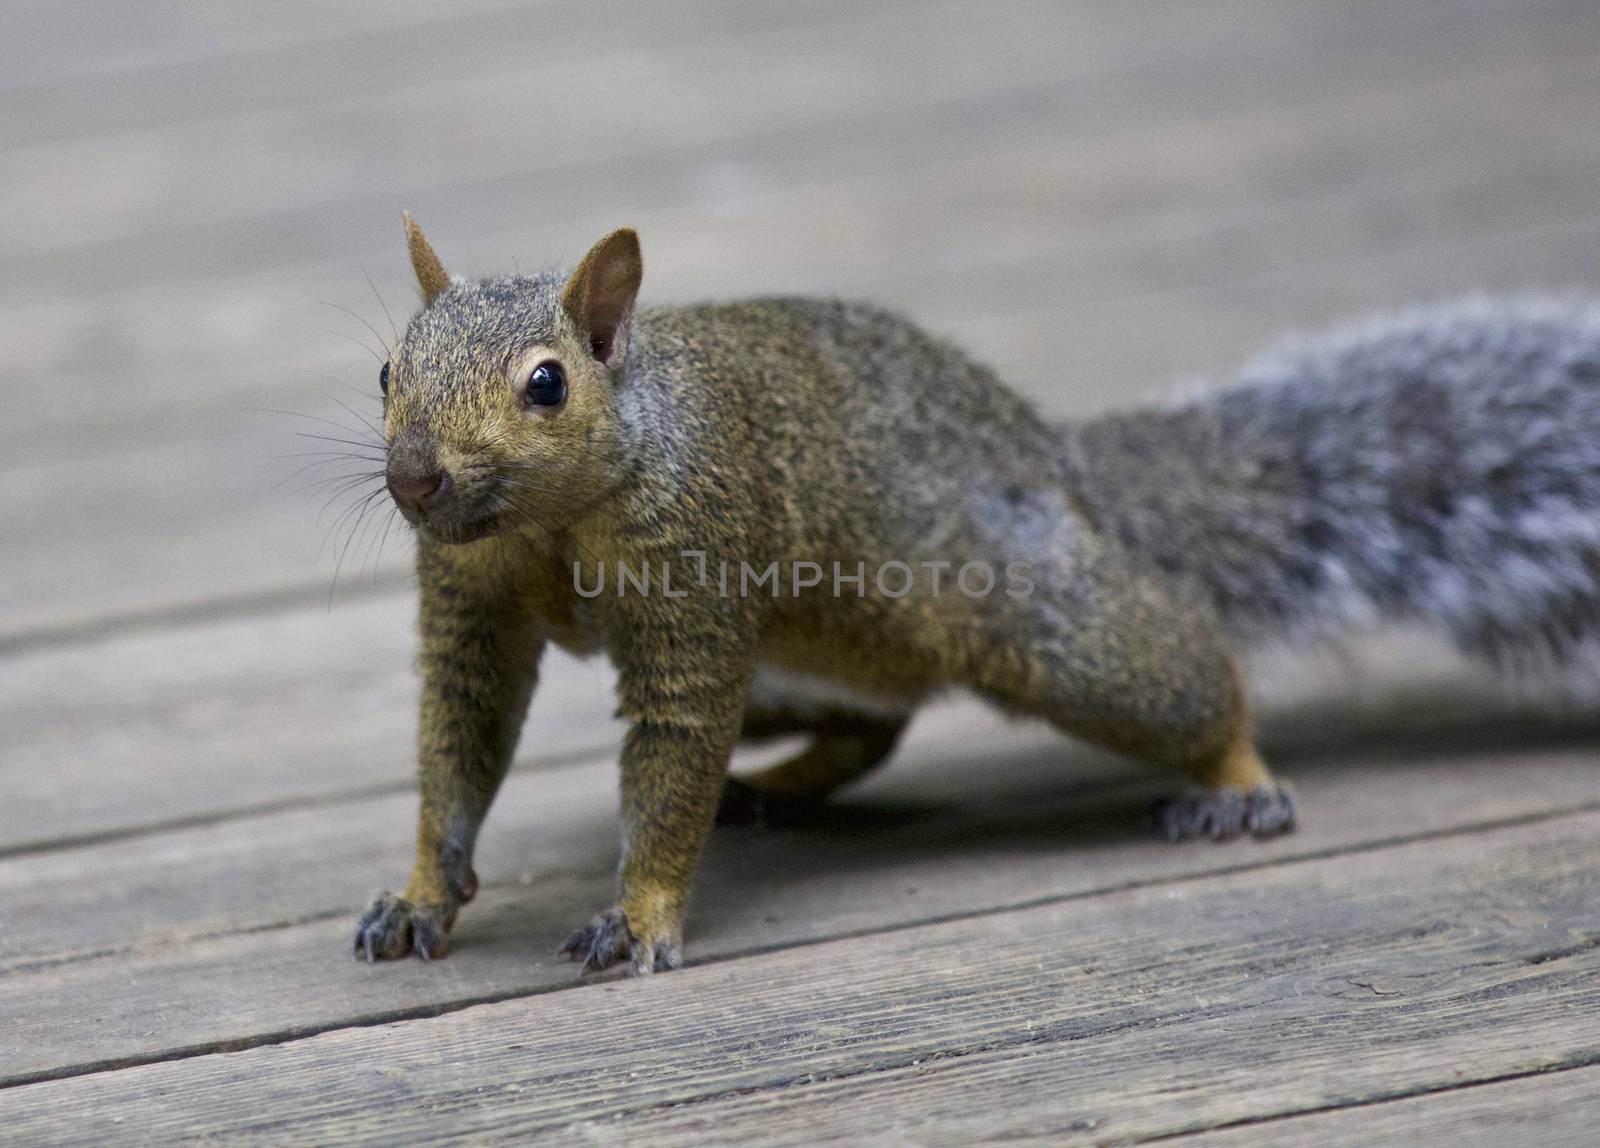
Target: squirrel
[{"x": 814, "y": 516}]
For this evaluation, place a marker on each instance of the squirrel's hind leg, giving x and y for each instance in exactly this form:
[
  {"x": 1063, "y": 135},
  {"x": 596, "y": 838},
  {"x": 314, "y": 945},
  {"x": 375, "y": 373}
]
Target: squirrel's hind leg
[
  {"x": 844, "y": 746},
  {"x": 1126, "y": 668}
]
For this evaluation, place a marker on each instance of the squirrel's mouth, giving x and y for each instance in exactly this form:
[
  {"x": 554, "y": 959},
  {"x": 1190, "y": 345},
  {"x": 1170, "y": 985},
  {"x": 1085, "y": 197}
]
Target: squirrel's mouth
[
  {"x": 454, "y": 530},
  {"x": 453, "y": 523},
  {"x": 460, "y": 513}
]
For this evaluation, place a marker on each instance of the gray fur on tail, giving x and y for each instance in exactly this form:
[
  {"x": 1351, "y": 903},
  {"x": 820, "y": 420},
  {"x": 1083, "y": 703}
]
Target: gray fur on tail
[{"x": 1442, "y": 466}]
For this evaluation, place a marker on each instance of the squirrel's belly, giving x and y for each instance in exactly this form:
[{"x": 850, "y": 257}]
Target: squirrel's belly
[{"x": 814, "y": 696}]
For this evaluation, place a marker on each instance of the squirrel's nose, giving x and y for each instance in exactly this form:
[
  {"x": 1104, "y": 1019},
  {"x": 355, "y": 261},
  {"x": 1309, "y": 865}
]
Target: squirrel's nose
[{"x": 419, "y": 491}]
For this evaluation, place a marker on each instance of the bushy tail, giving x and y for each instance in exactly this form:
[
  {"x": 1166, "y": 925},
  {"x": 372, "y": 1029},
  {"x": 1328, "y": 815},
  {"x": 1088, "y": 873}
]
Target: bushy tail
[{"x": 1441, "y": 466}]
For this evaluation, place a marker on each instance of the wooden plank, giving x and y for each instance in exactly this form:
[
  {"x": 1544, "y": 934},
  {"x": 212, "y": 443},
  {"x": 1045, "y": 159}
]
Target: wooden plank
[
  {"x": 59, "y": 84},
  {"x": 236, "y": 533},
  {"x": 217, "y": 937},
  {"x": 194, "y": 721},
  {"x": 238, "y": 873},
  {"x": 585, "y": 106},
  {"x": 1074, "y": 221},
  {"x": 604, "y": 92},
  {"x": 47, "y": 40},
  {"x": 191, "y": 939},
  {"x": 1557, "y": 1109},
  {"x": 1141, "y": 1013},
  {"x": 1208, "y": 330},
  {"x": 216, "y": 716},
  {"x": 214, "y": 543},
  {"x": 894, "y": 216},
  {"x": 201, "y": 720},
  {"x": 83, "y": 556}
]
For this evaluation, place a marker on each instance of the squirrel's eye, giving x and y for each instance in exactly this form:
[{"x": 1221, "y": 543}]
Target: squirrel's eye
[
  {"x": 383, "y": 378},
  {"x": 547, "y": 386}
]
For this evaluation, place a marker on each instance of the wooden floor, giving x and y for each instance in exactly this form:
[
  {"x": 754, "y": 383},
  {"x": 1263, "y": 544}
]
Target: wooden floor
[{"x": 204, "y": 748}]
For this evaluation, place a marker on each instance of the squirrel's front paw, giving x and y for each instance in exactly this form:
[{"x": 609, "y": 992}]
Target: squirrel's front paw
[
  {"x": 608, "y": 939},
  {"x": 393, "y": 927},
  {"x": 1221, "y": 814}
]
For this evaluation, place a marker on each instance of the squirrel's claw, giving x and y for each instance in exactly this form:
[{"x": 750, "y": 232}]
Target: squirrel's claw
[
  {"x": 601, "y": 943},
  {"x": 393, "y": 927},
  {"x": 1222, "y": 814},
  {"x": 608, "y": 939}
]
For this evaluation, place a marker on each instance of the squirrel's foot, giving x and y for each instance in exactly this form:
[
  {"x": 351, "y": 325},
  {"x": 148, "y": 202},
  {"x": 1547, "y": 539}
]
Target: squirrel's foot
[
  {"x": 1221, "y": 814},
  {"x": 608, "y": 939},
  {"x": 744, "y": 804},
  {"x": 393, "y": 927}
]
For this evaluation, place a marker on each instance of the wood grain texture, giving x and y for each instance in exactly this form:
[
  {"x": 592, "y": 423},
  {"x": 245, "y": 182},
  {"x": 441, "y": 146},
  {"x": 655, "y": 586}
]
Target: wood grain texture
[
  {"x": 248, "y": 61},
  {"x": 214, "y": 717},
  {"x": 217, "y": 936},
  {"x": 979, "y": 212},
  {"x": 175, "y": 721},
  {"x": 241, "y": 872},
  {"x": 592, "y": 86},
  {"x": 1546, "y": 1110},
  {"x": 237, "y": 535},
  {"x": 1141, "y": 1013},
  {"x": 859, "y": 209},
  {"x": 242, "y": 57},
  {"x": 1130, "y": 239},
  {"x": 184, "y": 722},
  {"x": 167, "y": 33}
]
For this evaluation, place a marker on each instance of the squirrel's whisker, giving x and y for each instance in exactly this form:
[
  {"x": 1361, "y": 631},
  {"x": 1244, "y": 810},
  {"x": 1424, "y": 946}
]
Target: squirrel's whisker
[
  {"x": 345, "y": 488},
  {"x": 368, "y": 535},
  {"x": 388, "y": 527},
  {"x": 379, "y": 296},
  {"x": 313, "y": 418},
  {"x": 361, "y": 508},
  {"x": 355, "y": 414},
  {"x": 327, "y": 458},
  {"x": 332, "y": 454},
  {"x": 346, "y": 480},
  {"x": 353, "y": 339},
  {"x": 323, "y": 480},
  {"x": 382, "y": 342},
  {"x": 514, "y": 484},
  {"x": 342, "y": 441}
]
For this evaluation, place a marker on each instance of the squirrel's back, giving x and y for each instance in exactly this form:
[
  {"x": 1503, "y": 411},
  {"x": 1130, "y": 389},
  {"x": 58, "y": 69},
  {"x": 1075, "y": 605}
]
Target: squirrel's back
[
  {"x": 1442, "y": 466},
  {"x": 867, "y": 430}
]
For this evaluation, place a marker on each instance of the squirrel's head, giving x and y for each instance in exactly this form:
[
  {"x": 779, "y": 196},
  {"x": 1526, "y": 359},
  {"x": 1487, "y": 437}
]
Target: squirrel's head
[{"x": 499, "y": 409}]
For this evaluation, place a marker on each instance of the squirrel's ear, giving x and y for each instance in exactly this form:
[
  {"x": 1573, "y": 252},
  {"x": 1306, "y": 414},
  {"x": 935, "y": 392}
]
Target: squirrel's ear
[
  {"x": 601, "y": 291},
  {"x": 431, "y": 275}
]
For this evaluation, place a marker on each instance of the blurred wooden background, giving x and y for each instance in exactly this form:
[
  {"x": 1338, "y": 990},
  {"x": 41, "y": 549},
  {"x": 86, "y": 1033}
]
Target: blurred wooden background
[
  {"x": 204, "y": 753},
  {"x": 1096, "y": 199}
]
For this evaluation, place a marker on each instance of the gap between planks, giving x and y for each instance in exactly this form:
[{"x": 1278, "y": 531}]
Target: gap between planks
[
  {"x": 1553, "y": 1106},
  {"x": 220, "y": 607}
]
